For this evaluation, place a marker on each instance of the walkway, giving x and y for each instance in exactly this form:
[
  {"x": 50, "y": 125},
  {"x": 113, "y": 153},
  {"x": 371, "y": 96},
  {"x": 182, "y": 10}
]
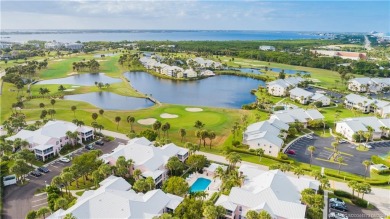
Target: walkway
[{"x": 378, "y": 196}]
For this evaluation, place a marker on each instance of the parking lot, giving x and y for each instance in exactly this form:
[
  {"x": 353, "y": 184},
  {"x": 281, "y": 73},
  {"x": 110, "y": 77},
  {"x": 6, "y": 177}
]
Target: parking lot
[
  {"x": 355, "y": 212},
  {"x": 19, "y": 200},
  {"x": 336, "y": 96},
  {"x": 352, "y": 157}
]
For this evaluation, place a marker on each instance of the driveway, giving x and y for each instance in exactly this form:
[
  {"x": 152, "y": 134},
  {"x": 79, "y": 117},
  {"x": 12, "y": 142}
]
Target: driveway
[
  {"x": 356, "y": 212},
  {"x": 19, "y": 200},
  {"x": 352, "y": 157}
]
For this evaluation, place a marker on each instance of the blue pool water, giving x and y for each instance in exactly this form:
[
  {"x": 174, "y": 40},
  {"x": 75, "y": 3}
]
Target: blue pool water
[{"x": 200, "y": 185}]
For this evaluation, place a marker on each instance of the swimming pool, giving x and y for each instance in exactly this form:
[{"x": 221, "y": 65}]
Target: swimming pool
[{"x": 200, "y": 185}]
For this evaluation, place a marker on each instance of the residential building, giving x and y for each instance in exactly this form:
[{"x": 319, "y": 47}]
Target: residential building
[
  {"x": 297, "y": 115},
  {"x": 53, "y": 45},
  {"x": 48, "y": 140},
  {"x": 74, "y": 46},
  {"x": 211, "y": 170},
  {"x": 207, "y": 73},
  {"x": 351, "y": 126},
  {"x": 317, "y": 97},
  {"x": 190, "y": 73},
  {"x": 272, "y": 191},
  {"x": 267, "y": 135},
  {"x": 367, "y": 105},
  {"x": 301, "y": 95},
  {"x": 281, "y": 87},
  {"x": 204, "y": 63},
  {"x": 149, "y": 159},
  {"x": 341, "y": 54},
  {"x": 374, "y": 85},
  {"x": 267, "y": 48},
  {"x": 115, "y": 199}
]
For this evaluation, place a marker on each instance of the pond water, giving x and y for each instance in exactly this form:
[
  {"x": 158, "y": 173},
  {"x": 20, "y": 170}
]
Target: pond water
[
  {"x": 111, "y": 101},
  {"x": 287, "y": 71},
  {"x": 248, "y": 70},
  {"x": 219, "y": 91},
  {"x": 85, "y": 79}
]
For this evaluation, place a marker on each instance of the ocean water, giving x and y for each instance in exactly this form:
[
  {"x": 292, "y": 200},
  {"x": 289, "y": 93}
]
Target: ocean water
[{"x": 133, "y": 35}]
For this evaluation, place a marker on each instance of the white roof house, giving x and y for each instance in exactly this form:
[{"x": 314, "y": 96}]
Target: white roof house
[
  {"x": 318, "y": 97},
  {"x": 115, "y": 199},
  {"x": 272, "y": 191},
  {"x": 266, "y": 135},
  {"x": 300, "y": 115},
  {"x": 368, "y": 84},
  {"x": 350, "y": 126},
  {"x": 300, "y": 95},
  {"x": 205, "y": 63},
  {"x": 207, "y": 73},
  {"x": 52, "y": 135},
  {"x": 149, "y": 159},
  {"x": 190, "y": 73},
  {"x": 279, "y": 87},
  {"x": 267, "y": 48},
  {"x": 366, "y": 105}
]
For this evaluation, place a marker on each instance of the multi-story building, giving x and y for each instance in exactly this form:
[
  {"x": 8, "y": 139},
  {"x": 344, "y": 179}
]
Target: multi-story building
[{"x": 353, "y": 126}]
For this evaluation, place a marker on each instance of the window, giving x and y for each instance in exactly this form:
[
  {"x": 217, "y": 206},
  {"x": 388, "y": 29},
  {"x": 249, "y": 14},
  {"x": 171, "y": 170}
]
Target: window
[
  {"x": 270, "y": 146},
  {"x": 57, "y": 143},
  {"x": 269, "y": 151}
]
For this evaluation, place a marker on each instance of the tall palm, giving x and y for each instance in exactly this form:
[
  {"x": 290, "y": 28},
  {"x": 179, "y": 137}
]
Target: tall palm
[
  {"x": 311, "y": 149},
  {"x": 335, "y": 145},
  {"x": 233, "y": 159},
  {"x": 340, "y": 161},
  {"x": 130, "y": 120},
  {"x": 182, "y": 134},
  {"x": 366, "y": 164},
  {"x": 157, "y": 127},
  {"x": 94, "y": 116},
  {"x": 117, "y": 120},
  {"x": 52, "y": 102},
  {"x": 43, "y": 211},
  {"x": 211, "y": 135},
  {"x": 298, "y": 171},
  {"x": 74, "y": 108}
]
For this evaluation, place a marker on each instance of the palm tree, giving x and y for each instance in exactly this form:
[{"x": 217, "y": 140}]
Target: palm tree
[
  {"x": 360, "y": 133},
  {"x": 182, "y": 134},
  {"x": 41, "y": 105},
  {"x": 204, "y": 135},
  {"x": 339, "y": 160},
  {"x": 233, "y": 159},
  {"x": 137, "y": 173},
  {"x": 366, "y": 164},
  {"x": 335, "y": 145},
  {"x": 352, "y": 185},
  {"x": 43, "y": 211},
  {"x": 157, "y": 127},
  {"x": 311, "y": 149},
  {"x": 211, "y": 135},
  {"x": 219, "y": 173},
  {"x": 52, "y": 102},
  {"x": 74, "y": 108},
  {"x": 101, "y": 112},
  {"x": 298, "y": 171},
  {"x": 94, "y": 116},
  {"x": 117, "y": 120},
  {"x": 130, "y": 120},
  {"x": 260, "y": 153},
  {"x": 61, "y": 203}
]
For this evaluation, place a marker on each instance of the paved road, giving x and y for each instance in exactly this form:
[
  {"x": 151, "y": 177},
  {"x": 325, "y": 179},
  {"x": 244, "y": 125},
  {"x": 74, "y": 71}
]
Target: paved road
[
  {"x": 19, "y": 200},
  {"x": 378, "y": 196},
  {"x": 367, "y": 43}
]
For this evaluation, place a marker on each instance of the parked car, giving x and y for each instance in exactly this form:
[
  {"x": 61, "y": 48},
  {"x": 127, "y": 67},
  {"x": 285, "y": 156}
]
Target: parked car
[
  {"x": 339, "y": 207},
  {"x": 43, "y": 169},
  {"x": 292, "y": 152},
  {"x": 337, "y": 201},
  {"x": 367, "y": 145},
  {"x": 35, "y": 173},
  {"x": 309, "y": 137},
  {"x": 99, "y": 142},
  {"x": 342, "y": 141},
  {"x": 64, "y": 159},
  {"x": 89, "y": 147},
  {"x": 337, "y": 215}
]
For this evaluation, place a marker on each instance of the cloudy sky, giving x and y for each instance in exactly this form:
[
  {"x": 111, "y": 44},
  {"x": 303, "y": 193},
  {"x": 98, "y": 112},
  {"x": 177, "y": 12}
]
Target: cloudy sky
[{"x": 310, "y": 15}]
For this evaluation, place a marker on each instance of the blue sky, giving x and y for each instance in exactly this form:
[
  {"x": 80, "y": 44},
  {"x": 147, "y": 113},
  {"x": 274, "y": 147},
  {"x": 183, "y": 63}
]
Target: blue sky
[{"x": 341, "y": 16}]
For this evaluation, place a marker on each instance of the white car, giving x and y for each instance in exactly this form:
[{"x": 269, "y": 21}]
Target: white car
[
  {"x": 342, "y": 141},
  {"x": 337, "y": 201},
  {"x": 309, "y": 137},
  {"x": 337, "y": 215},
  {"x": 64, "y": 159}
]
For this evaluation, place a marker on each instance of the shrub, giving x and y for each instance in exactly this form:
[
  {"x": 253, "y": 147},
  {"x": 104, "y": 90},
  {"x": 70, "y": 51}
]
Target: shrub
[
  {"x": 377, "y": 160},
  {"x": 342, "y": 193},
  {"x": 278, "y": 108},
  {"x": 282, "y": 156},
  {"x": 149, "y": 134},
  {"x": 360, "y": 202},
  {"x": 252, "y": 150}
]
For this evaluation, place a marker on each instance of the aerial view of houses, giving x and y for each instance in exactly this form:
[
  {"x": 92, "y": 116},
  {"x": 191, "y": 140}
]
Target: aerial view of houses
[{"x": 194, "y": 110}]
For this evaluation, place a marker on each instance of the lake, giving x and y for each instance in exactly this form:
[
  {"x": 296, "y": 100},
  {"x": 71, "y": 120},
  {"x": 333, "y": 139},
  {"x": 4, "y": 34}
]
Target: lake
[
  {"x": 135, "y": 35},
  {"x": 111, "y": 101},
  {"x": 248, "y": 70},
  {"x": 287, "y": 71},
  {"x": 226, "y": 91},
  {"x": 85, "y": 79}
]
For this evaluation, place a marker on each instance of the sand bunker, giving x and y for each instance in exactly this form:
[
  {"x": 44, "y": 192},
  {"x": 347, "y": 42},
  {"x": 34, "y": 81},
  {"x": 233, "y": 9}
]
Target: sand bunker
[
  {"x": 101, "y": 60},
  {"x": 75, "y": 86},
  {"x": 69, "y": 90},
  {"x": 73, "y": 73},
  {"x": 168, "y": 116},
  {"x": 148, "y": 121},
  {"x": 194, "y": 109},
  {"x": 58, "y": 60}
]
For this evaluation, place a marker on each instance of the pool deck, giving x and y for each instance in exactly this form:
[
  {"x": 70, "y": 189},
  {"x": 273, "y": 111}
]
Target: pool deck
[{"x": 211, "y": 189}]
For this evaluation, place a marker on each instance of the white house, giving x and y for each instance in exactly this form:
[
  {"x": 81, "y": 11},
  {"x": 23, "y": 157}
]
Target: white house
[
  {"x": 301, "y": 95},
  {"x": 272, "y": 191},
  {"x": 280, "y": 87},
  {"x": 115, "y": 199},
  {"x": 190, "y": 73},
  {"x": 53, "y": 45},
  {"x": 317, "y": 97},
  {"x": 204, "y": 63},
  {"x": 149, "y": 159},
  {"x": 207, "y": 73},
  {"x": 350, "y": 126},
  {"x": 367, "y": 105},
  {"x": 74, "y": 46},
  {"x": 267, "y": 48},
  {"x": 297, "y": 115},
  {"x": 50, "y": 138},
  {"x": 267, "y": 135},
  {"x": 211, "y": 170},
  {"x": 368, "y": 84}
]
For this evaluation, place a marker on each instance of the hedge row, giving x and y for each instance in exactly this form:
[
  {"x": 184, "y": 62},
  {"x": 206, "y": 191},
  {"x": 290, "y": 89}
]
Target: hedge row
[
  {"x": 371, "y": 182},
  {"x": 356, "y": 200},
  {"x": 215, "y": 197},
  {"x": 377, "y": 160},
  {"x": 266, "y": 156}
]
